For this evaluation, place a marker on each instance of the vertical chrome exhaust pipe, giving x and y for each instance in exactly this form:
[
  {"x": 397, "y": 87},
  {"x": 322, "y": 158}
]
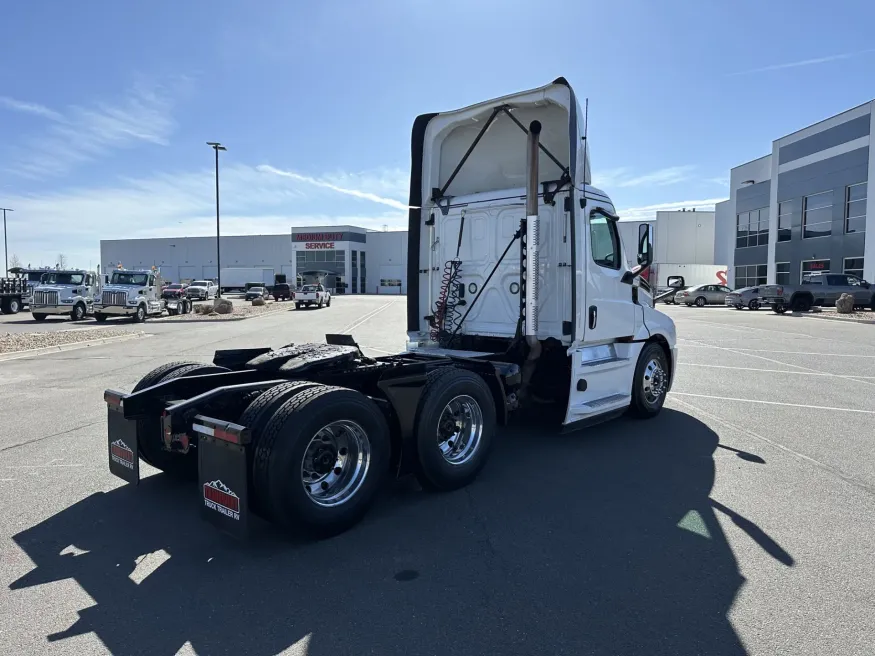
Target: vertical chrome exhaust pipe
[{"x": 533, "y": 237}]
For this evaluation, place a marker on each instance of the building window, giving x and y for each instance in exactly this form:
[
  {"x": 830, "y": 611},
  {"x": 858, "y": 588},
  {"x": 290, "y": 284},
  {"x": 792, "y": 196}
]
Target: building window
[
  {"x": 752, "y": 228},
  {"x": 785, "y": 213},
  {"x": 855, "y": 208},
  {"x": 813, "y": 266},
  {"x": 750, "y": 275},
  {"x": 817, "y": 215},
  {"x": 854, "y": 266},
  {"x": 355, "y": 271},
  {"x": 390, "y": 282},
  {"x": 362, "y": 273},
  {"x": 782, "y": 273}
]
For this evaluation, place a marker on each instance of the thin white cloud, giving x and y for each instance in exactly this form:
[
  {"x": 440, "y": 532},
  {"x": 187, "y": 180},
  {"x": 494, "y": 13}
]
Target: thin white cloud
[
  {"x": 180, "y": 204},
  {"x": 623, "y": 177},
  {"x": 648, "y": 212},
  {"x": 328, "y": 184},
  {"x": 83, "y": 134},
  {"x": 806, "y": 62},
  {"x": 30, "y": 108}
]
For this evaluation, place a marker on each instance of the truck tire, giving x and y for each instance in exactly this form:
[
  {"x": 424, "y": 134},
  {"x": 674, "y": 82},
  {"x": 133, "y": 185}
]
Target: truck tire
[
  {"x": 701, "y": 301},
  {"x": 256, "y": 416},
  {"x": 39, "y": 317},
  {"x": 800, "y": 304},
  {"x": 753, "y": 305},
  {"x": 321, "y": 302},
  {"x": 297, "y": 306},
  {"x": 78, "y": 312},
  {"x": 650, "y": 382},
  {"x": 335, "y": 439},
  {"x": 328, "y": 303},
  {"x": 140, "y": 315},
  {"x": 12, "y": 306},
  {"x": 454, "y": 427},
  {"x": 149, "y": 438},
  {"x": 100, "y": 317},
  {"x": 779, "y": 308}
]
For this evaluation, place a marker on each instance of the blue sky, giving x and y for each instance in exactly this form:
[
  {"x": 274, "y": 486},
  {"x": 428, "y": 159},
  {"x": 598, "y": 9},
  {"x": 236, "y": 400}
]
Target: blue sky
[{"x": 105, "y": 106}]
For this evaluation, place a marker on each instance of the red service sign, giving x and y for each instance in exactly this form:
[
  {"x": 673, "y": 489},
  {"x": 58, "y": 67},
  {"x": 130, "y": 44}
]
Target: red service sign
[{"x": 323, "y": 245}]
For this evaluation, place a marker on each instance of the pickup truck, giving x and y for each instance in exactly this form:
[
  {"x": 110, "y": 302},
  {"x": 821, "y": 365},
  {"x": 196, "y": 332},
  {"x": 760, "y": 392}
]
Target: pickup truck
[
  {"x": 312, "y": 295},
  {"x": 202, "y": 290},
  {"x": 817, "y": 288}
]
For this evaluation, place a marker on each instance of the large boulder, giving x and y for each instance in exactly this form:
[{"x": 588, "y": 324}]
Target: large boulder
[
  {"x": 257, "y": 302},
  {"x": 845, "y": 304},
  {"x": 223, "y": 306}
]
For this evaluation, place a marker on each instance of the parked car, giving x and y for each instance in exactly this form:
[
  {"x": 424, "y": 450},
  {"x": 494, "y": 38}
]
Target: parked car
[
  {"x": 202, "y": 290},
  {"x": 282, "y": 291},
  {"x": 817, "y": 288},
  {"x": 257, "y": 292},
  {"x": 746, "y": 297},
  {"x": 309, "y": 295},
  {"x": 702, "y": 295},
  {"x": 665, "y": 294}
]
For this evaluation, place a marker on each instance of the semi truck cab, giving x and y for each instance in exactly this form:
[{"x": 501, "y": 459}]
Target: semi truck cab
[
  {"x": 522, "y": 254},
  {"x": 131, "y": 293},
  {"x": 70, "y": 293}
]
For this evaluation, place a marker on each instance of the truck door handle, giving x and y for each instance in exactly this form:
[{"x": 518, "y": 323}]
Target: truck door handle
[{"x": 593, "y": 316}]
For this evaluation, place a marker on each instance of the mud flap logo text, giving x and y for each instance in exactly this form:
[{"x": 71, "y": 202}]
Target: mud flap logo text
[
  {"x": 121, "y": 454},
  {"x": 219, "y": 497}
]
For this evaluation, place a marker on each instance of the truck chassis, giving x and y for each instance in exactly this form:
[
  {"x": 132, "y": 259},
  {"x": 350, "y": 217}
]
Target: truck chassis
[{"x": 304, "y": 435}]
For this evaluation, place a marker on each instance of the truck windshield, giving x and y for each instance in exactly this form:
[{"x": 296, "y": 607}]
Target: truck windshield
[
  {"x": 129, "y": 278},
  {"x": 309, "y": 288},
  {"x": 63, "y": 278},
  {"x": 200, "y": 283},
  {"x": 35, "y": 276}
]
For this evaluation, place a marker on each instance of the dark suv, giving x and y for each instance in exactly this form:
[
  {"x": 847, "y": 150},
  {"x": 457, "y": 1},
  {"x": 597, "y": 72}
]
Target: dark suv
[{"x": 282, "y": 291}]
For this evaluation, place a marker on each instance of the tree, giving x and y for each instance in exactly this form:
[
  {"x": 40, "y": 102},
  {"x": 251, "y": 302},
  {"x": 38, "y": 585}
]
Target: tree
[
  {"x": 14, "y": 261},
  {"x": 62, "y": 261}
]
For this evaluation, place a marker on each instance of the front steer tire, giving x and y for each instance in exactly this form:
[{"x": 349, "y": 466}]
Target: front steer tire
[
  {"x": 149, "y": 439},
  {"x": 651, "y": 370},
  {"x": 283, "y": 445},
  {"x": 439, "y": 472}
]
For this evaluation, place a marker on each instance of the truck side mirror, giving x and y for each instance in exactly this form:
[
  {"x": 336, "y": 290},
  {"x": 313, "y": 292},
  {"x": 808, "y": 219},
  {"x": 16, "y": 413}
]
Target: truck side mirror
[{"x": 645, "y": 253}]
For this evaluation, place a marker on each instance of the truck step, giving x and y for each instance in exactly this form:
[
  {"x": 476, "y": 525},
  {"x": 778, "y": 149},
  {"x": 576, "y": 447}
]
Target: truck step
[{"x": 605, "y": 402}]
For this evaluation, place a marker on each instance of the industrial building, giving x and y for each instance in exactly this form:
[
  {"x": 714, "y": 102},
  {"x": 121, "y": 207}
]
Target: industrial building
[
  {"x": 352, "y": 260},
  {"x": 804, "y": 206}
]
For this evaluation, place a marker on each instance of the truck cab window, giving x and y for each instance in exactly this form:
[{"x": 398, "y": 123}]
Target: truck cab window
[{"x": 605, "y": 242}]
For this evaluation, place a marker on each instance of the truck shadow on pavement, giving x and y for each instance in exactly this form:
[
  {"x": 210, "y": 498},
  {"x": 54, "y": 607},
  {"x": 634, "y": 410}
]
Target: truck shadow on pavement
[{"x": 602, "y": 542}]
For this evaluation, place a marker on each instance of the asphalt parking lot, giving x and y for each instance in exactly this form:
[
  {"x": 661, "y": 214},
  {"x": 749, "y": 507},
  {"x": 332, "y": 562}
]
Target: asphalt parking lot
[{"x": 738, "y": 521}]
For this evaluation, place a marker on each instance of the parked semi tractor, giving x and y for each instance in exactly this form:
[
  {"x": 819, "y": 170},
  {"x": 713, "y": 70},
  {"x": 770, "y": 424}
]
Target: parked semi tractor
[
  {"x": 68, "y": 292},
  {"x": 519, "y": 301},
  {"x": 131, "y": 293}
]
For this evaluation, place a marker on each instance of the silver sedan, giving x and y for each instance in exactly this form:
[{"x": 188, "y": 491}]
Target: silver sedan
[
  {"x": 702, "y": 295},
  {"x": 747, "y": 297}
]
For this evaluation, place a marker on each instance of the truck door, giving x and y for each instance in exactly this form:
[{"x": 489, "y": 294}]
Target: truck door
[{"x": 609, "y": 312}]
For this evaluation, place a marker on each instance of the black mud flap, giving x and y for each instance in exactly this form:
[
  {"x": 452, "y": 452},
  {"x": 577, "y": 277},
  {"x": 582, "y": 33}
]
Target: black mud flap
[
  {"x": 222, "y": 474},
  {"x": 122, "y": 439}
]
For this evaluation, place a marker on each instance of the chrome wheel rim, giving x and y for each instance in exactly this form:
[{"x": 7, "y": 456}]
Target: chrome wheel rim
[
  {"x": 654, "y": 381},
  {"x": 460, "y": 429},
  {"x": 336, "y": 463}
]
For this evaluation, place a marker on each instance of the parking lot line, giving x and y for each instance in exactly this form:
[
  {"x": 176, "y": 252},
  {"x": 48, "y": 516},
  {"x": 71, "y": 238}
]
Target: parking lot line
[
  {"x": 791, "y": 405},
  {"x": 777, "y": 371},
  {"x": 783, "y": 333},
  {"x": 832, "y": 355}
]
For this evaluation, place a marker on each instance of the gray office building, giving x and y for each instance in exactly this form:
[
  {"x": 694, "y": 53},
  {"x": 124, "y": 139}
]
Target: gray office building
[{"x": 803, "y": 207}]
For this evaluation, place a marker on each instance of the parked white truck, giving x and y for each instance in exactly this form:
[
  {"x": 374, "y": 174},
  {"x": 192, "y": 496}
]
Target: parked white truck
[
  {"x": 131, "y": 293},
  {"x": 304, "y": 435},
  {"x": 308, "y": 295},
  {"x": 235, "y": 278},
  {"x": 65, "y": 292}
]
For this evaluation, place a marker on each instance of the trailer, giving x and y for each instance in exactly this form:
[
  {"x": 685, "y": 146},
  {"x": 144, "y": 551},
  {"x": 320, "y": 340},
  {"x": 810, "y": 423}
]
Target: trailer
[
  {"x": 235, "y": 278},
  {"x": 304, "y": 435}
]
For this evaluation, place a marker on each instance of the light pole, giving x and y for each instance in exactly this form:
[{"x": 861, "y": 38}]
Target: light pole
[
  {"x": 215, "y": 145},
  {"x": 5, "y": 246}
]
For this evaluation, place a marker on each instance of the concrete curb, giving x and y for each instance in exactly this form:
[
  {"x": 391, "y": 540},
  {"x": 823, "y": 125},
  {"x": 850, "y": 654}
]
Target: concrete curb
[
  {"x": 72, "y": 346},
  {"x": 831, "y": 317},
  {"x": 209, "y": 321}
]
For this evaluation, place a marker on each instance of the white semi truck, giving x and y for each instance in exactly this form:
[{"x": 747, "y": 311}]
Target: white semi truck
[
  {"x": 65, "y": 292},
  {"x": 131, "y": 293},
  {"x": 519, "y": 301}
]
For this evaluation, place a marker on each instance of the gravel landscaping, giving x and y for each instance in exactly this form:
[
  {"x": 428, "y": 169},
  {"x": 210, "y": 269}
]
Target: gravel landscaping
[
  {"x": 239, "y": 312},
  {"x": 14, "y": 342}
]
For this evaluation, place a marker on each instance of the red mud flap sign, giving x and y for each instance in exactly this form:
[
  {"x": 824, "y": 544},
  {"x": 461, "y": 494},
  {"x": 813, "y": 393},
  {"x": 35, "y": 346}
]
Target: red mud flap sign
[
  {"x": 222, "y": 474},
  {"x": 122, "y": 438}
]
